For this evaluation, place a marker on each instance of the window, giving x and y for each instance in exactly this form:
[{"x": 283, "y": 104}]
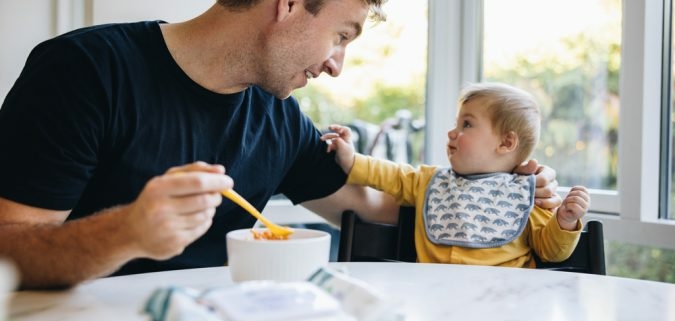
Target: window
[
  {"x": 570, "y": 61},
  {"x": 567, "y": 54},
  {"x": 629, "y": 207}
]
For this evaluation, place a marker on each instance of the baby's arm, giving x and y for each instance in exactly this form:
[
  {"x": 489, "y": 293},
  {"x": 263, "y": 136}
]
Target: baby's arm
[
  {"x": 574, "y": 206},
  {"x": 340, "y": 141}
]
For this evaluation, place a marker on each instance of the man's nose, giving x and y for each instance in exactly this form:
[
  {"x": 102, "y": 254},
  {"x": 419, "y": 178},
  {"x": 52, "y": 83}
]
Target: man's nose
[{"x": 333, "y": 65}]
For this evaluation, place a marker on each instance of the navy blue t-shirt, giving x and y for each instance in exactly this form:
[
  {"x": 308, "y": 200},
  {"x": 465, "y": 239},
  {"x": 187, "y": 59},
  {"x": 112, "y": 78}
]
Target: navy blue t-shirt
[{"x": 99, "y": 111}]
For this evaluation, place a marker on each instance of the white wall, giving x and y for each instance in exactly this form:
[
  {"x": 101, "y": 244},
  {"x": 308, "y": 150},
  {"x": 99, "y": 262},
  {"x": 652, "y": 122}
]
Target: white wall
[
  {"x": 23, "y": 24},
  {"x": 135, "y": 10}
]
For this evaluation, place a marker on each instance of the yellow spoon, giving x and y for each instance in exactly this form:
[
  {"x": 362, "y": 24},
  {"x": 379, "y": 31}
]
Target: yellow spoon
[{"x": 273, "y": 228}]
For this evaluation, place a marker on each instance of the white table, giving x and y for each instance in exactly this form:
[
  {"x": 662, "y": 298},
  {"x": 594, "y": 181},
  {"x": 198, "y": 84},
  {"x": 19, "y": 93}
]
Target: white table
[{"x": 427, "y": 292}]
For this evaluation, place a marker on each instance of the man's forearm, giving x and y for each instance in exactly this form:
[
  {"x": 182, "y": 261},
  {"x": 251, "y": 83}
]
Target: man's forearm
[{"x": 50, "y": 256}]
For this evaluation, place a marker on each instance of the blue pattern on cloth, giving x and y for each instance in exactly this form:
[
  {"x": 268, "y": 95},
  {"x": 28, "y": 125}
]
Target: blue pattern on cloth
[{"x": 477, "y": 211}]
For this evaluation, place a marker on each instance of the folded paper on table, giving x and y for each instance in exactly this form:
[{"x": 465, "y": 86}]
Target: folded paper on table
[
  {"x": 327, "y": 295},
  {"x": 357, "y": 298}
]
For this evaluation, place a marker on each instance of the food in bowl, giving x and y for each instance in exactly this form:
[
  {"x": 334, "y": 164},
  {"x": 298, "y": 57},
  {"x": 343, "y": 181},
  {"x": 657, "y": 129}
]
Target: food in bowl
[{"x": 267, "y": 235}]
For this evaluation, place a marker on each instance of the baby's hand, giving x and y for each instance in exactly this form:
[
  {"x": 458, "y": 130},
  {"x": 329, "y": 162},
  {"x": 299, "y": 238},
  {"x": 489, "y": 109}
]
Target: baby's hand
[
  {"x": 340, "y": 141},
  {"x": 340, "y": 136},
  {"x": 574, "y": 206}
]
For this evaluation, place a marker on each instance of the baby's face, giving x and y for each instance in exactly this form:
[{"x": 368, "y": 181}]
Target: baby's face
[{"x": 472, "y": 145}]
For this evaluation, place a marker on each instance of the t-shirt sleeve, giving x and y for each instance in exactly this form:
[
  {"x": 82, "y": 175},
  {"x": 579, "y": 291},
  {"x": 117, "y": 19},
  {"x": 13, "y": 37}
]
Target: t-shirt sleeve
[
  {"x": 50, "y": 127},
  {"x": 314, "y": 174},
  {"x": 402, "y": 181}
]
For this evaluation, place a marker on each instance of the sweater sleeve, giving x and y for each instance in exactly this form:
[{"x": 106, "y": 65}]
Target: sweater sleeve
[
  {"x": 548, "y": 240},
  {"x": 400, "y": 180}
]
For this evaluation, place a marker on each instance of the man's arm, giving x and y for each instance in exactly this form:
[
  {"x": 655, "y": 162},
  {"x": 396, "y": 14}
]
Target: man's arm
[
  {"x": 170, "y": 213},
  {"x": 50, "y": 253}
]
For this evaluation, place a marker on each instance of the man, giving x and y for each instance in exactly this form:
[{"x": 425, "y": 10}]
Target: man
[{"x": 108, "y": 116}]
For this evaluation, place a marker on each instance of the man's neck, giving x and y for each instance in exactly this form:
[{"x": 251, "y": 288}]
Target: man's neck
[{"x": 213, "y": 49}]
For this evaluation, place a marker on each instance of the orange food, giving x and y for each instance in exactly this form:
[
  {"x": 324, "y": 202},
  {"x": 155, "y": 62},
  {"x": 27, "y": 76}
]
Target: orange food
[{"x": 267, "y": 235}]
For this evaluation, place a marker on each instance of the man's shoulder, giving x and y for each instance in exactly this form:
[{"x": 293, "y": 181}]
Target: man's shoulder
[
  {"x": 127, "y": 29},
  {"x": 103, "y": 38}
]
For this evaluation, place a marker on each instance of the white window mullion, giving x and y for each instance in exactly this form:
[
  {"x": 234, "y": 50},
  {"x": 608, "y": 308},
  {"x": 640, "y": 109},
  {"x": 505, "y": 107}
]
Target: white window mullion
[
  {"x": 471, "y": 59},
  {"x": 639, "y": 132},
  {"x": 71, "y": 14},
  {"x": 454, "y": 53}
]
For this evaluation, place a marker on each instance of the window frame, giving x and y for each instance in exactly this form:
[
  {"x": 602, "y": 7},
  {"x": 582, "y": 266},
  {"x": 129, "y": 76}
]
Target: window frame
[
  {"x": 454, "y": 33},
  {"x": 666, "y": 109}
]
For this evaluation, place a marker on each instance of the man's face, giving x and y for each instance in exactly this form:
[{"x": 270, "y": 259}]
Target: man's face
[{"x": 303, "y": 46}]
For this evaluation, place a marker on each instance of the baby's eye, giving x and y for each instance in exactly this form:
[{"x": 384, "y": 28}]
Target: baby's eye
[{"x": 466, "y": 124}]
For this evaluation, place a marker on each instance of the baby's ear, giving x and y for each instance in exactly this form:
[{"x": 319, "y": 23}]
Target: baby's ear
[{"x": 509, "y": 142}]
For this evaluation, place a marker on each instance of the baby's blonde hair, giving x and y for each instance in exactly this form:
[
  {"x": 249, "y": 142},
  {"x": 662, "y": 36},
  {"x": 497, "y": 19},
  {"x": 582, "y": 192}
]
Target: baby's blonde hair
[{"x": 510, "y": 109}]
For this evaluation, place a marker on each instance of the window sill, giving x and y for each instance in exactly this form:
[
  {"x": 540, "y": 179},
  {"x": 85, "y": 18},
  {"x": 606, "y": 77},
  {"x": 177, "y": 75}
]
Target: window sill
[{"x": 658, "y": 233}]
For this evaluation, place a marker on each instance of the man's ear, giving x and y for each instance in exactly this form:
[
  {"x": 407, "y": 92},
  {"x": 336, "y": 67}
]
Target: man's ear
[
  {"x": 285, "y": 7},
  {"x": 509, "y": 143}
]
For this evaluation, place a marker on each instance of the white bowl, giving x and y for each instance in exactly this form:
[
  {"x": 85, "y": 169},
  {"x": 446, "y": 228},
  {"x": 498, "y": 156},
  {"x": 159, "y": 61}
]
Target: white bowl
[{"x": 294, "y": 259}]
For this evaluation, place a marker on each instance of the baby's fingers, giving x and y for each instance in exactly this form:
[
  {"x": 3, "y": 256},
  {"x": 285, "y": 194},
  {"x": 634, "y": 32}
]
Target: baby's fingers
[
  {"x": 576, "y": 209},
  {"x": 343, "y": 131},
  {"x": 580, "y": 191},
  {"x": 577, "y": 202},
  {"x": 337, "y": 128},
  {"x": 329, "y": 136}
]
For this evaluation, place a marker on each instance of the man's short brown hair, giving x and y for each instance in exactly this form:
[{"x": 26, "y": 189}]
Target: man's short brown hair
[{"x": 312, "y": 6}]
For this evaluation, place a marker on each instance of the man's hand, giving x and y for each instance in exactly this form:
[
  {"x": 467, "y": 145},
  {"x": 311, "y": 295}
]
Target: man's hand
[
  {"x": 175, "y": 209},
  {"x": 546, "y": 184}
]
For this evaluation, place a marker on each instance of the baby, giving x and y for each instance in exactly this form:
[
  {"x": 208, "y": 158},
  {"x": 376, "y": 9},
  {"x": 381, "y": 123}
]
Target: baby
[{"x": 476, "y": 211}]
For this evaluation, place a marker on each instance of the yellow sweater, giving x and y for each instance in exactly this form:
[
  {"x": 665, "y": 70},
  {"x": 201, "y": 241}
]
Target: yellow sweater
[{"x": 408, "y": 185}]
